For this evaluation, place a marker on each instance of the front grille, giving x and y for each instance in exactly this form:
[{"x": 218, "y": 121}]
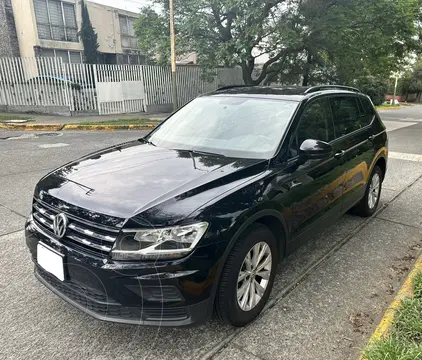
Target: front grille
[
  {"x": 104, "y": 306},
  {"x": 80, "y": 233}
]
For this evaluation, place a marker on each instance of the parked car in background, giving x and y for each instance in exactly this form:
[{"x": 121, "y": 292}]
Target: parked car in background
[
  {"x": 194, "y": 218},
  {"x": 54, "y": 80}
]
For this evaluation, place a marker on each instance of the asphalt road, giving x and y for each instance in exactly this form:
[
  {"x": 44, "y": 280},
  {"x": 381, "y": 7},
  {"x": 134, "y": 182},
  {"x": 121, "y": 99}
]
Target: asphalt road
[{"x": 327, "y": 298}]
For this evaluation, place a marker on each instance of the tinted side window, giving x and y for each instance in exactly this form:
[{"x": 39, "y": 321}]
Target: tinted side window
[
  {"x": 315, "y": 123},
  {"x": 347, "y": 115},
  {"x": 369, "y": 111}
]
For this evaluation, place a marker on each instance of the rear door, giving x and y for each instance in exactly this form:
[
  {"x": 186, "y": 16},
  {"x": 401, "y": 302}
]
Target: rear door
[{"x": 354, "y": 143}]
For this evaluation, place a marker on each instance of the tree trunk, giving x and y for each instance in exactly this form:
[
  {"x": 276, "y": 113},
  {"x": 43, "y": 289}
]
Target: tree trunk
[
  {"x": 307, "y": 70},
  {"x": 247, "y": 73}
]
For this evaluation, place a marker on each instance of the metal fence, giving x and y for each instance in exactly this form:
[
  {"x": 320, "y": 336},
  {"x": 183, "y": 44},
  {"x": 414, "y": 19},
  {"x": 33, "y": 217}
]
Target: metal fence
[
  {"x": 48, "y": 85},
  {"x": 120, "y": 89},
  {"x": 191, "y": 82}
]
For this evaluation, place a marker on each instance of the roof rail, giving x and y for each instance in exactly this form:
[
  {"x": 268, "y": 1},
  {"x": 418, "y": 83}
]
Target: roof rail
[
  {"x": 330, "y": 87},
  {"x": 232, "y": 87}
]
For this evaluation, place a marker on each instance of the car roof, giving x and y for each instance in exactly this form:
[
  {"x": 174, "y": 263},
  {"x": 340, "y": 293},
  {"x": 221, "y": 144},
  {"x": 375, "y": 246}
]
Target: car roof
[{"x": 293, "y": 93}]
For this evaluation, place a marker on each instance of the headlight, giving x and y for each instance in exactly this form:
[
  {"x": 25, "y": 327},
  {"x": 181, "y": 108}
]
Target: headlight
[{"x": 151, "y": 244}]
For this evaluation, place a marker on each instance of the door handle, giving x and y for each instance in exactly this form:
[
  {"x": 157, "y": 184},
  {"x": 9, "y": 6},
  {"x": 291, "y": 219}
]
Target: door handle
[
  {"x": 340, "y": 154},
  {"x": 371, "y": 138}
]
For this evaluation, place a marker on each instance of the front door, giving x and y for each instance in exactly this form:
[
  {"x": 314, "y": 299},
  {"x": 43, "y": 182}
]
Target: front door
[{"x": 316, "y": 186}]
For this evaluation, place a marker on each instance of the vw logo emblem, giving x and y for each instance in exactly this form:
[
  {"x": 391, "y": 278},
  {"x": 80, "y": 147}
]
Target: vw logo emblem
[{"x": 60, "y": 225}]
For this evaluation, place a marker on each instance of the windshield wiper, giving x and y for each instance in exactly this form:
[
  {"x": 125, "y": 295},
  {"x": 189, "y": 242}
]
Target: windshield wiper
[
  {"x": 200, "y": 152},
  {"x": 147, "y": 141},
  {"x": 206, "y": 153}
]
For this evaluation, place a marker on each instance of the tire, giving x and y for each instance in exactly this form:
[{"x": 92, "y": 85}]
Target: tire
[
  {"x": 228, "y": 308},
  {"x": 366, "y": 207}
]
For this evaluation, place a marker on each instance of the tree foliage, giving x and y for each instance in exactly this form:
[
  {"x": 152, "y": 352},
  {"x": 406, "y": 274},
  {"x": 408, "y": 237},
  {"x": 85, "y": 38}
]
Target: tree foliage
[
  {"x": 375, "y": 88},
  {"x": 297, "y": 41},
  {"x": 412, "y": 81},
  {"x": 89, "y": 37}
]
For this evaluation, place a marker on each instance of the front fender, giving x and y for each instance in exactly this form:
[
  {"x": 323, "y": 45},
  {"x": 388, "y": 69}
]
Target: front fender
[{"x": 236, "y": 232}]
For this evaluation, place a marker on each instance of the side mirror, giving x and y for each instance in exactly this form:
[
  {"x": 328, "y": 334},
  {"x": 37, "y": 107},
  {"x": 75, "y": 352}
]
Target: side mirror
[{"x": 315, "y": 150}]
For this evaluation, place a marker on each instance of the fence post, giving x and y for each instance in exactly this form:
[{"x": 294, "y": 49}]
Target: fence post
[
  {"x": 144, "y": 88},
  {"x": 119, "y": 69},
  {"x": 94, "y": 67},
  {"x": 65, "y": 88}
]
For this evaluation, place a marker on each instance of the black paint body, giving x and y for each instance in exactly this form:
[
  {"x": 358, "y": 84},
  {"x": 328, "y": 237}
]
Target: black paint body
[{"x": 137, "y": 185}]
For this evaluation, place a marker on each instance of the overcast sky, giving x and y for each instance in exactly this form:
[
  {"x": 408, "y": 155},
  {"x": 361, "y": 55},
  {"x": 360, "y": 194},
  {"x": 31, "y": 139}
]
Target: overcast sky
[{"x": 130, "y": 5}]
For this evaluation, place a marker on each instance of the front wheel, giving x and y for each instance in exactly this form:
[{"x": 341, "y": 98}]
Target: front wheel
[
  {"x": 369, "y": 203},
  {"x": 247, "y": 277}
]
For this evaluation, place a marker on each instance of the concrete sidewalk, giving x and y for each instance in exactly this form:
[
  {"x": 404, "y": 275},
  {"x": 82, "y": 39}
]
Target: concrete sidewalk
[
  {"x": 57, "y": 119},
  {"x": 330, "y": 312}
]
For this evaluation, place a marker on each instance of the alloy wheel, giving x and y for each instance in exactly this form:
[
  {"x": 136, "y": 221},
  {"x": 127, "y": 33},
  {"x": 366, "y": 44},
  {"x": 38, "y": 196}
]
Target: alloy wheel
[
  {"x": 374, "y": 191},
  {"x": 254, "y": 276}
]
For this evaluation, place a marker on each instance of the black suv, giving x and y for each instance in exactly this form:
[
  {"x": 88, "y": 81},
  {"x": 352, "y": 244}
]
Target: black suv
[{"x": 194, "y": 218}]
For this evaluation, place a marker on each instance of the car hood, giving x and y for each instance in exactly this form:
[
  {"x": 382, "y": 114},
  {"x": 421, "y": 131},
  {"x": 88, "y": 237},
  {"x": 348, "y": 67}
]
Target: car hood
[{"x": 130, "y": 179}]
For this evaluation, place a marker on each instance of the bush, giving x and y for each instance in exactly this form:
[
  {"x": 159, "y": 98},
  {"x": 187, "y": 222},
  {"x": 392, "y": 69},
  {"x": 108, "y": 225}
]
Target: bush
[{"x": 376, "y": 89}]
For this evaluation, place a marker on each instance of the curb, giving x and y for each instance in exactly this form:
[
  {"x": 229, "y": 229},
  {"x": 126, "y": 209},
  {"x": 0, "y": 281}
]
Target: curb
[
  {"x": 58, "y": 127},
  {"x": 33, "y": 127},
  {"x": 405, "y": 292},
  {"x": 388, "y": 108}
]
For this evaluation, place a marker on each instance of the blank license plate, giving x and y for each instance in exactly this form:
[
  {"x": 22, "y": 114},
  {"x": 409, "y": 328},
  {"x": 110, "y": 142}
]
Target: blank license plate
[{"x": 50, "y": 261}]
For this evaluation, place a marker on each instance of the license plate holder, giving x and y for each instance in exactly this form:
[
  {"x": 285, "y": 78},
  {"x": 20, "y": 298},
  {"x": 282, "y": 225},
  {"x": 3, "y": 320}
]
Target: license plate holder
[{"x": 50, "y": 260}]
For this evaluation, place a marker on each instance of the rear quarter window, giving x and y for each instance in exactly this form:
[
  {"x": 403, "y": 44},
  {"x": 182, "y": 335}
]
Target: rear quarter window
[{"x": 369, "y": 110}]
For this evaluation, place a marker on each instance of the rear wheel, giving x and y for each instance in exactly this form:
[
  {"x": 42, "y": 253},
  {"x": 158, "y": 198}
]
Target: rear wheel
[
  {"x": 247, "y": 277},
  {"x": 369, "y": 203}
]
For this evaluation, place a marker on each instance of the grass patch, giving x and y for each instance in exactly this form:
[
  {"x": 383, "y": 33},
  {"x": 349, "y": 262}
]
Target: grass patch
[
  {"x": 11, "y": 117},
  {"x": 407, "y": 325},
  {"x": 121, "y": 122},
  {"x": 392, "y": 349},
  {"x": 417, "y": 286},
  {"x": 404, "y": 341}
]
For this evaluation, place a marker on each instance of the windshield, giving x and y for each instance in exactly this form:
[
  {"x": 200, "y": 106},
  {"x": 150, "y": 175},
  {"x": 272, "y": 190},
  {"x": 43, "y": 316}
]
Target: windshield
[{"x": 228, "y": 125}]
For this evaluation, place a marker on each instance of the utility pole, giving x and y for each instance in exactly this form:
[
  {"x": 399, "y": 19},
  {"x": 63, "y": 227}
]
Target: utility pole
[
  {"x": 173, "y": 55},
  {"x": 395, "y": 90}
]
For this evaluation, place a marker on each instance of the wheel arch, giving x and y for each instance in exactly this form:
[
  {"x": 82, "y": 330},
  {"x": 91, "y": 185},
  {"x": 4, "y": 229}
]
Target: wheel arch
[
  {"x": 271, "y": 218},
  {"x": 382, "y": 163}
]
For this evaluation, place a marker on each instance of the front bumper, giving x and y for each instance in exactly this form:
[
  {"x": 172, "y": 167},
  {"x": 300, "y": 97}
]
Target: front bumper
[{"x": 173, "y": 293}]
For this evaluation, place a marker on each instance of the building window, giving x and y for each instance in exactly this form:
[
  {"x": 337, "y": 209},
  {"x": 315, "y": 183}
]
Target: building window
[
  {"x": 132, "y": 58},
  {"x": 67, "y": 56},
  {"x": 56, "y": 20},
  {"x": 127, "y": 32}
]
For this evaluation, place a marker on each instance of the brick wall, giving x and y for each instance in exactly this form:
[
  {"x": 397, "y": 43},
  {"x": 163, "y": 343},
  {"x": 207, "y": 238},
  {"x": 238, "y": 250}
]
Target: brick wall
[{"x": 9, "y": 45}]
